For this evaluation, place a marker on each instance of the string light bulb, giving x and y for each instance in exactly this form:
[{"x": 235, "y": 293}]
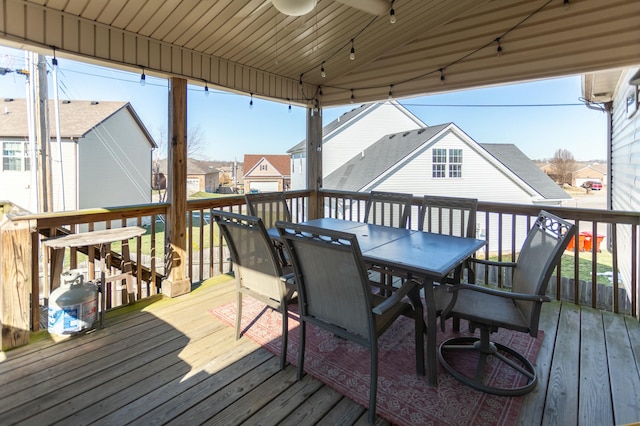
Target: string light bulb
[
  {"x": 143, "y": 78},
  {"x": 289, "y": 100},
  {"x": 442, "y": 75},
  {"x": 322, "y": 71},
  {"x": 54, "y": 61},
  {"x": 392, "y": 14},
  {"x": 251, "y": 102},
  {"x": 565, "y": 4},
  {"x": 352, "y": 55},
  {"x": 300, "y": 81},
  {"x": 206, "y": 89},
  {"x": 499, "y": 49},
  {"x": 390, "y": 97},
  {"x": 353, "y": 98}
]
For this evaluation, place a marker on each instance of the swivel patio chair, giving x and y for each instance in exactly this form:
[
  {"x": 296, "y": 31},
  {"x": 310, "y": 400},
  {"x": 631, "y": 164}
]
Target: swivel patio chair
[
  {"x": 519, "y": 309},
  {"x": 338, "y": 297},
  {"x": 258, "y": 272}
]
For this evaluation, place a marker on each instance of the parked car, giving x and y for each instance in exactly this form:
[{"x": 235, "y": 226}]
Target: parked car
[{"x": 592, "y": 184}]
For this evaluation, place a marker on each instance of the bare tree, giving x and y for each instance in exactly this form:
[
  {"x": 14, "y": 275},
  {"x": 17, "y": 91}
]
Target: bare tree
[
  {"x": 563, "y": 164},
  {"x": 195, "y": 143}
]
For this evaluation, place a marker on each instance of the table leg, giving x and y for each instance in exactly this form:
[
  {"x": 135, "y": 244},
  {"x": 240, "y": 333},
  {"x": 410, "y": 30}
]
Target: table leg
[
  {"x": 432, "y": 365},
  {"x": 103, "y": 287}
]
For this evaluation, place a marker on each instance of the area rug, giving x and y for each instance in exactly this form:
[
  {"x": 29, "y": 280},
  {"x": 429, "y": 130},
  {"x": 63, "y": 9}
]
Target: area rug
[{"x": 403, "y": 397}]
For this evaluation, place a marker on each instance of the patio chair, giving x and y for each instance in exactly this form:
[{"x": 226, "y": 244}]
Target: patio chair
[
  {"x": 338, "y": 298},
  {"x": 451, "y": 216},
  {"x": 489, "y": 309},
  {"x": 258, "y": 272},
  {"x": 270, "y": 207},
  {"x": 388, "y": 209}
]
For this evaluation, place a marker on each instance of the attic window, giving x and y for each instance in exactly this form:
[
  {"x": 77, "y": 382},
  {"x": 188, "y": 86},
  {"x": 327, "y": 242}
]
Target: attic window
[{"x": 263, "y": 167}]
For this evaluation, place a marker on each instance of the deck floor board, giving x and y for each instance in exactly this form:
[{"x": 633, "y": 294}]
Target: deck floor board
[{"x": 169, "y": 361}]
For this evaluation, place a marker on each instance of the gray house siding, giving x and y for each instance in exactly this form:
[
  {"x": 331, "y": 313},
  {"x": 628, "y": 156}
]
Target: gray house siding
[{"x": 114, "y": 164}]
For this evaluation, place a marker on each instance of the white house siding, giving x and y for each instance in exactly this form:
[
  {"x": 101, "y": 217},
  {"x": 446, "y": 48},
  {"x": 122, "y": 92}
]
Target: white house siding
[
  {"x": 482, "y": 178},
  {"x": 625, "y": 168},
  {"x": 115, "y": 164},
  {"x": 298, "y": 170},
  {"x": 69, "y": 173},
  {"x": 356, "y": 135},
  {"x": 16, "y": 187}
]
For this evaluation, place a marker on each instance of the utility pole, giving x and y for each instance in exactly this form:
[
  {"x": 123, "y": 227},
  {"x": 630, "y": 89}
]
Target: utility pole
[{"x": 43, "y": 136}]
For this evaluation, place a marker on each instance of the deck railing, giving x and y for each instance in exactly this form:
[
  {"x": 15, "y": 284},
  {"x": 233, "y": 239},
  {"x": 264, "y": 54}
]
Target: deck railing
[{"x": 590, "y": 277}]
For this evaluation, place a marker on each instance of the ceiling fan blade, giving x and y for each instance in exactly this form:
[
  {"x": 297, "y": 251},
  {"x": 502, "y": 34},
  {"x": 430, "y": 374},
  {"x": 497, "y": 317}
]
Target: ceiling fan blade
[{"x": 374, "y": 7}]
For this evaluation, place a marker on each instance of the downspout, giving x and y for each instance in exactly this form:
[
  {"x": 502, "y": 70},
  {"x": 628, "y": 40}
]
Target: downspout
[{"x": 608, "y": 106}]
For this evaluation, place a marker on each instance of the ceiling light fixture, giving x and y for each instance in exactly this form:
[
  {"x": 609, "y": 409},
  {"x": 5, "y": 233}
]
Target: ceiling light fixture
[
  {"x": 294, "y": 7},
  {"x": 392, "y": 14}
]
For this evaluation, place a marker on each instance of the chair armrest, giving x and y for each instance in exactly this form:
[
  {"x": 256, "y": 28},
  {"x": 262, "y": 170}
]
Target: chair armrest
[
  {"x": 288, "y": 278},
  {"x": 492, "y": 262},
  {"x": 500, "y": 293},
  {"x": 395, "y": 298}
]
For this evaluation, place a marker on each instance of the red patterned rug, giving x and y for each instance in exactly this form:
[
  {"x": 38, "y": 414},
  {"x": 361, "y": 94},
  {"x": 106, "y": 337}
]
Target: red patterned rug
[{"x": 403, "y": 397}]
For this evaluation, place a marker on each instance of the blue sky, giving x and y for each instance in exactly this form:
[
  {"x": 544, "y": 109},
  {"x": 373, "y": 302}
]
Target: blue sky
[{"x": 538, "y": 117}]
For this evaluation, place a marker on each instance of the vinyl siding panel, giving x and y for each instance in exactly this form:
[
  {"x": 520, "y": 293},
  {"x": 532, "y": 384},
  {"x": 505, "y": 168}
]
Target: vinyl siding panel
[
  {"x": 69, "y": 173},
  {"x": 362, "y": 132},
  {"x": 114, "y": 164},
  {"x": 625, "y": 169}
]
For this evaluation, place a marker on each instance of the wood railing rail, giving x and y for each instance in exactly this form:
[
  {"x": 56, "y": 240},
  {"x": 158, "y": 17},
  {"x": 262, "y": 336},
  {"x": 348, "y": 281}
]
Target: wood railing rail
[{"x": 503, "y": 225}]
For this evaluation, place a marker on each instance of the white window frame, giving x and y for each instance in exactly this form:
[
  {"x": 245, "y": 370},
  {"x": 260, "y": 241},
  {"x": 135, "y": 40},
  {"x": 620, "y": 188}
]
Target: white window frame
[{"x": 20, "y": 157}]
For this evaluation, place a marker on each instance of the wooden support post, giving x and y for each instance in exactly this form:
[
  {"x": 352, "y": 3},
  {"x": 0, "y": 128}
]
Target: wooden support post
[
  {"x": 177, "y": 281},
  {"x": 314, "y": 161},
  {"x": 15, "y": 282}
]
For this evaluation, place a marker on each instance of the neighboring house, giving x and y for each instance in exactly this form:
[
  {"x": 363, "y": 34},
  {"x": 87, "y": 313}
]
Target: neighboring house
[
  {"x": 619, "y": 91},
  {"x": 443, "y": 160},
  {"x": 106, "y": 155},
  {"x": 266, "y": 173},
  {"x": 590, "y": 172},
  {"x": 202, "y": 176},
  {"x": 349, "y": 134}
]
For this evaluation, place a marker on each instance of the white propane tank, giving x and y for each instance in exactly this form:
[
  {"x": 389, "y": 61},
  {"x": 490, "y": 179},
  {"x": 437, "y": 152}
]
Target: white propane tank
[{"x": 73, "y": 306}]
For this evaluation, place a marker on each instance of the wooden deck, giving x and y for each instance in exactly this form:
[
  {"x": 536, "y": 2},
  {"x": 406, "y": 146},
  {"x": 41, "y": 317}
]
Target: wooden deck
[{"x": 171, "y": 362}]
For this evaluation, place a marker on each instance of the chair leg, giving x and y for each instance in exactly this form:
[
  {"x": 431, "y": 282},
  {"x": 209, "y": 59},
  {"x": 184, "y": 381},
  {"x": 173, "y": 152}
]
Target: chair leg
[
  {"x": 303, "y": 334},
  {"x": 238, "y": 313},
  {"x": 285, "y": 333},
  {"x": 373, "y": 388},
  {"x": 505, "y": 357}
]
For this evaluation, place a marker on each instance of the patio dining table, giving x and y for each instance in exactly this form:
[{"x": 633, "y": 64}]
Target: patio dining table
[{"x": 427, "y": 257}]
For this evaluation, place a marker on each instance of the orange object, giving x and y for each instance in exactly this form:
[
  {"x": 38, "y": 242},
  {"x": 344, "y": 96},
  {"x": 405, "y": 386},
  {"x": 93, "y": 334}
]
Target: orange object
[
  {"x": 588, "y": 241},
  {"x": 581, "y": 242}
]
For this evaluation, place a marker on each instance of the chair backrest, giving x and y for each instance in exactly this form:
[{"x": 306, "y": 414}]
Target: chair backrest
[
  {"x": 268, "y": 206},
  {"x": 388, "y": 208},
  {"x": 331, "y": 277},
  {"x": 448, "y": 215},
  {"x": 252, "y": 252},
  {"x": 540, "y": 254}
]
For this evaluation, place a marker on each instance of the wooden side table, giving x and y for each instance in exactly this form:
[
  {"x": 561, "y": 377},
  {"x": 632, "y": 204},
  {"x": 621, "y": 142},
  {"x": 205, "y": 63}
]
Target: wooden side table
[{"x": 101, "y": 239}]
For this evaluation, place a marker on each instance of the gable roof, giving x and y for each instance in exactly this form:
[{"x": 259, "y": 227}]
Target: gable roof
[
  {"x": 350, "y": 117},
  {"x": 281, "y": 162},
  {"x": 362, "y": 169},
  {"x": 515, "y": 160},
  {"x": 77, "y": 118},
  {"x": 194, "y": 167}
]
